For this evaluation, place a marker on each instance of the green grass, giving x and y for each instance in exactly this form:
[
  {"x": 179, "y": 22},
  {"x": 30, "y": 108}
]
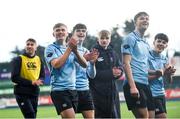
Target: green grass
[{"x": 173, "y": 108}]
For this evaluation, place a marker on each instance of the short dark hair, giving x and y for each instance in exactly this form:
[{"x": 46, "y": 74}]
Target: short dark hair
[
  {"x": 138, "y": 15},
  {"x": 59, "y": 25},
  {"x": 31, "y": 40},
  {"x": 161, "y": 36},
  {"x": 79, "y": 26}
]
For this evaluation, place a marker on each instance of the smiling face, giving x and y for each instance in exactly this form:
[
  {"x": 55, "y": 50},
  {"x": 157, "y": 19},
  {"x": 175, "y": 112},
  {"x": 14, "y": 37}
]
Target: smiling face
[
  {"x": 142, "y": 22},
  {"x": 30, "y": 48},
  {"x": 81, "y": 34},
  {"x": 80, "y": 30},
  {"x": 160, "y": 45},
  {"x": 60, "y": 33}
]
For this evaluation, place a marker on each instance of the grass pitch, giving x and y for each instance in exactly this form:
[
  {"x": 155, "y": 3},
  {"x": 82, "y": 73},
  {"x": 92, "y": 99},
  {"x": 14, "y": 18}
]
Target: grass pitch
[{"x": 173, "y": 108}]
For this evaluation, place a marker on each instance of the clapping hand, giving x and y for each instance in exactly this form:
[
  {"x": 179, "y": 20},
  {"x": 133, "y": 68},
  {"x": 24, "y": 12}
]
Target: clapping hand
[
  {"x": 92, "y": 56},
  {"x": 72, "y": 43},
  {"x": 159, "y": 73},
  {"x": 116, "y": 71},
  {"x": 168, "y": 72}
]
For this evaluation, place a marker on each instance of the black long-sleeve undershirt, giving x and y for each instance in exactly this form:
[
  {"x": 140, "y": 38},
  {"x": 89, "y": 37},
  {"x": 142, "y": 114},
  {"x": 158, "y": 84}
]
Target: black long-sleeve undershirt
[{"x": 24, "y": 86}]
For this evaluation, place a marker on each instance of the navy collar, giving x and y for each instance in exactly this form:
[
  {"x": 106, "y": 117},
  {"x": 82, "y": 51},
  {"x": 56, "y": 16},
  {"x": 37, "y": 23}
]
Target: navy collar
[
  {"x": 139, "y": 36},
  {"x": 155, "y": 54}
]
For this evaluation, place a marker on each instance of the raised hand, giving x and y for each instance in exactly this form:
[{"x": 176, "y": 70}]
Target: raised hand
[
  {"x": 72, "y": 43},
  {"x": 92, "y": 56},
  {"x": 168, "y": 72}
]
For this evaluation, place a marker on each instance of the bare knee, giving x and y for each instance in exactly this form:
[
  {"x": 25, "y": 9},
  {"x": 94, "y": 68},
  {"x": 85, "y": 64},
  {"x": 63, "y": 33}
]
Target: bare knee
[
  {"x": 161, "y": 116},
  {"x": 140, "y": 113},
  {"x": 68, "y": 113}
]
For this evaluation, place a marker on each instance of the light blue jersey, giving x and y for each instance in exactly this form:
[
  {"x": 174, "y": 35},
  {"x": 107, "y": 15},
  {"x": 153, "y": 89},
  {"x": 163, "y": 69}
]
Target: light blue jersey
[
  {"x": 64, "y": 77},
  {"x": 157, "y": 61},
  {"x": 82, "y": 82},
  {"x": 138, "y": 48}
]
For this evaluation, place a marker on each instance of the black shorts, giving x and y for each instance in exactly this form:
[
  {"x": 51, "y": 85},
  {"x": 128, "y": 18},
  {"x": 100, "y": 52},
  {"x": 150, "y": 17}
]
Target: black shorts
[
  {"x": 85, "y": 101},
  {"x": 144, "y": 101},
  {"x": 63, "y": 100},
  {"x": 160, "y": 104}
]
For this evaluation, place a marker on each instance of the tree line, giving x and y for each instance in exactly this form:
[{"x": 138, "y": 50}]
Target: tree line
[{"x": 116, "y": 41}]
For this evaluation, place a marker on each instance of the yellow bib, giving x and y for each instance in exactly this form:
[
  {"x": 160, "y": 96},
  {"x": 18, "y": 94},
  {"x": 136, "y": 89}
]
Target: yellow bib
[{"x": 30, "y": 67}]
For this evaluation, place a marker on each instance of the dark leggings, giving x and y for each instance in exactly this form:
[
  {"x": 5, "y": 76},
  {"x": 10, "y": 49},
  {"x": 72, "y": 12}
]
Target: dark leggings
[{"x": 28, "y": 105}]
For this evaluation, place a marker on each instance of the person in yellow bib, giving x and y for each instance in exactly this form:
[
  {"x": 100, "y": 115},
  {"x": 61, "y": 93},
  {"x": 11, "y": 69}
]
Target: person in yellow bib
[{"x": 27, "y": 74}]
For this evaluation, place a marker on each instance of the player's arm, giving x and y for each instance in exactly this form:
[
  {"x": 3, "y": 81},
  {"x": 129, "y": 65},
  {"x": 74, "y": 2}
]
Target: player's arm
[
  {"x": 155, "y": 74},
  {"x": 117, "y": 69},
  {"x": 73, "y": 45},
  {"x": 91, "y": 70},
  {"x": 82, "y": 61},
  {"x": 42, "y": 71},
  {"x": 15, "y": 74},
  {"x": 169, "y": 72},
  {"x": 128, "y": 72},
  {"x": 58, "y": 62},
  {"x": 41, "y": 76},
  {"x": 92, "y": 58}
]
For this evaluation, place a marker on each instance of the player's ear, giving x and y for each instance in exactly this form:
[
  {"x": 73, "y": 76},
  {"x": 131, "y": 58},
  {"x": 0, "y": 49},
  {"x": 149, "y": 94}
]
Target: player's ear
[
  {"x": 35, "y": 46},
  {"x": 166, "y": 46},
  {"x": 86, "y": 33}
]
